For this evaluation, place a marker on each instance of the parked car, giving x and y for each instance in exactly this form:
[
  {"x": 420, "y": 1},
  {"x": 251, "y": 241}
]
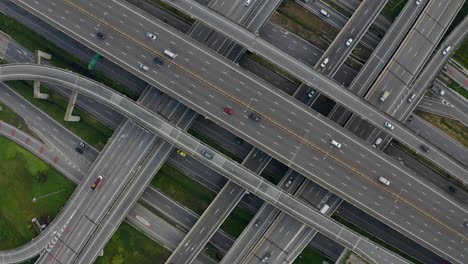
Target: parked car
[
  {"x": 311, "y": 93},
  {"x": 82, "y": 144},
  {"x": 80, "y": 151}
]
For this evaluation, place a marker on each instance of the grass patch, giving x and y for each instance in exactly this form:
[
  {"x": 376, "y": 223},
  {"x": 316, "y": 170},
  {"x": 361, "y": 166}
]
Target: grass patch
[
  {"x": 299, "y": 21},
  {"x": 183, "y": 189},
  {"x": 309, "y": 255},
  {"x": 60, "y": 58},
  {"x": 213, "y": 252},
  {"x": 92, "y": 131},
  {"x": 129, "y": 245},
  {"x": 9, "y": 116},
  {"x": 186, "y": 18},
  {"x": 22, "y": 177},
  {"x": 236, "y": 222},
  {"x": 210, "y": 142},
  {"x": 461, "y": 54},
  {"x": 393, "y": 8},
  {"x": 451, "y": 127},
  {"x": 373, "y": 238},
  {"x": 457, "y": 88}
]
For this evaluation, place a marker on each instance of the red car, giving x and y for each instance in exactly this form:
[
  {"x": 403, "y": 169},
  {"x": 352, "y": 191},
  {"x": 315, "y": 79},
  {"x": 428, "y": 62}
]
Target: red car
[
  {"x": 228, "y": 110},
  {"x": 97, "y": 182}
]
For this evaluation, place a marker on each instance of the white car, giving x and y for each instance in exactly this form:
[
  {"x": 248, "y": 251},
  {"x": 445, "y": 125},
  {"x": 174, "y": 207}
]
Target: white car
[
  {"x": 335, "y": 143},
  {"x": 151, "y": 35},
  {"x": 248, "y": 2},
  {"x": 350, "y": 40},
  {"x": 144, "y": 67},
  {"x": 389, "y": 125},
  {"x": 446, "y": 50},
  {"x": 324, "y": 63},
  {"x": 384, "y": 181},
  {"x": 418, "y": 2}
]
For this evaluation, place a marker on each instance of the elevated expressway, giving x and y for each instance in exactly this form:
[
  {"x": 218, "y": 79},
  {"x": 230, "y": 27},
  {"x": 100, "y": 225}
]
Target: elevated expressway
[
  {"x": 411, "y": 217},
  {"x": 192, "y": 146},
  {"x": 360, "y": 107}
]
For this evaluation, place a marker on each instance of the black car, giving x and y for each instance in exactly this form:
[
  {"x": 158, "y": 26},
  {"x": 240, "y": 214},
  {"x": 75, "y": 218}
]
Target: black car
[
  {"x": 100, "y": 35},
  {"x": 238, "y": 141},
  {"x": 79, "y": 150},
  {"x": 158, "y": 61},
  {"x": 425, "y": 148},
  {"x": 254, "y": 117}
]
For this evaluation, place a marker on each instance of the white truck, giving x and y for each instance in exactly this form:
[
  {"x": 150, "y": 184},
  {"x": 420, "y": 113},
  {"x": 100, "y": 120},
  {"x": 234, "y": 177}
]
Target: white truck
[{"x": 384, "y": 96}]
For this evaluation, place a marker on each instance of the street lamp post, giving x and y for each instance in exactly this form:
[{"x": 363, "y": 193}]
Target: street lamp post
[
  {"x": 46, "y": 195},
  {"x": 100, "y": 20}
]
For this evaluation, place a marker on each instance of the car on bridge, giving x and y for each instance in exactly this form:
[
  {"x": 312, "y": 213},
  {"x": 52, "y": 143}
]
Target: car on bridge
[{"x": 97, "y": 182}]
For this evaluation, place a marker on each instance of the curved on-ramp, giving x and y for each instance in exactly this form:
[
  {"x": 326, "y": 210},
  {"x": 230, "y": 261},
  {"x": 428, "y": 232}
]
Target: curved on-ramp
[{"x": 265, "y": 190}]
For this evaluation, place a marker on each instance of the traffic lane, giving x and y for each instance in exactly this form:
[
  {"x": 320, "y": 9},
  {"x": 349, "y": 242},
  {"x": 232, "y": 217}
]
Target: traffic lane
[
  {"x": 194, "y": 146},
  {"x": 211, "y": 219},
  {"x": 72, "y": 46},
  {"x": 120, "y": 174},
  {"x": 16, "y": 53},
  {"x": 259, "y": 224},
  {"x": 82, "y": 195},
  {"x": 182, "y": 217},
  {"x": 406, "y": 218},
  {"x": 338, "y": 21},
  {"x": 386, "y": 47},
  {"x": 291, "y": 43},
  {"x": 439, "y": 138},
  {"x": 351, "y": 35},
  {"x": 46, "y": 127},
  {"x": 95, "y": 198},
  {"x": 259, "y": 18},
  {"x": 371, "y": 225},
  {"x": 162, "y": 14},
  {"x": 426, "y": 172}
]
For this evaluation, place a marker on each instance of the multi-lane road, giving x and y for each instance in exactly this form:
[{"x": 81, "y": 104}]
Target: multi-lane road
[
  {"x": 322, "y": 130},
  {"x": 175, "y": 136}
]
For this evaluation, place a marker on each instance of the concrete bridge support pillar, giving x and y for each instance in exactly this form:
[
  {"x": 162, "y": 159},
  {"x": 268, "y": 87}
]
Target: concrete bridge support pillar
[
  {"x": 71, "y": 104},
  {"x": 37, "y": 84}
]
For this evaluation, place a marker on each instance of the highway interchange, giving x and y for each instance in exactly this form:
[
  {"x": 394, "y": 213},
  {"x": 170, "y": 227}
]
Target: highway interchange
[{"x": 293, "y": 160}]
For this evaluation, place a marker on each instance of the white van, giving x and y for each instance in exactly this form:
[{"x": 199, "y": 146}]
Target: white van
[
  {"x": 169, "y": 53},
  {"x": 335, "y": 143},
  {"x": 324, "y": 63},
  {"x": 446, "y": 50},
  {"x": 384, "y": 181},
  {"x": 377, "y": 142},
  {"x": 324, "y": 208},
  {"x": 324, "y": 13}
]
